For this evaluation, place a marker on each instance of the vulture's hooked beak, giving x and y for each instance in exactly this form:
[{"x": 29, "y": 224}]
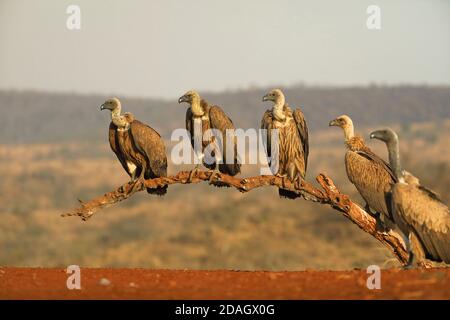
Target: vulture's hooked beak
[
  {"x": 266, "y": 98},
  {"x": 375, "y": 135},
  {"x": 333, "y": 123},
  {"x": 387, "y": 135},
  {"x": 102, "y": 107},
  {"x": 183, "y": 99}
]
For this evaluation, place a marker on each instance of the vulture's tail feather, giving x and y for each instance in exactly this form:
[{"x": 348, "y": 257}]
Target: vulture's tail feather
[
  {"x": 159, "y": 191},
  {"x": 230, "y": 169},
  {"x": 288, "y": 194}
]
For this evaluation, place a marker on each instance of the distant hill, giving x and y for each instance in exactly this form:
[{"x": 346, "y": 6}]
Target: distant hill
[{"x": 38, "y": 117}]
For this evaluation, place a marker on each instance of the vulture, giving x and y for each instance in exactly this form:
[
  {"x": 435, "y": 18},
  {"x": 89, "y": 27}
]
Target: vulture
[
  {"x": 370, "y": 174},
  {"x": 293, "y": 145},
  {"x": 139, "y": 148},
  {"x": 210, "y": 117},
  {"x": 419, "y": 213}
]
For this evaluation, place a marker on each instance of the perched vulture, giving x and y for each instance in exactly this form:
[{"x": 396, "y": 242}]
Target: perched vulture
[
  {"x": 419, "y": 213},
  {"x": 210, "y": 117},
  {"x": 370, "y": 174},
  {"x": 293, "y": 145},
  {"x": 139, "y": 148}
]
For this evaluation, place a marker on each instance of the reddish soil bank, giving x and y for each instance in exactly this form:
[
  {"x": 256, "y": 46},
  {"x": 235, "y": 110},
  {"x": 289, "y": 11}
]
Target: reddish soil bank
[{"x": 37, "y": 283}]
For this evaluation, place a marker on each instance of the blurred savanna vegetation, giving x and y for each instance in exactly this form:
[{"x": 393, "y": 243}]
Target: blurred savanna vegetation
[{"x": 54, "y": 149}]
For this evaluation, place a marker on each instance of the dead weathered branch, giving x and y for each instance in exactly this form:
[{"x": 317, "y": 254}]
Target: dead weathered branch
[{"x": 329, "y": 195}]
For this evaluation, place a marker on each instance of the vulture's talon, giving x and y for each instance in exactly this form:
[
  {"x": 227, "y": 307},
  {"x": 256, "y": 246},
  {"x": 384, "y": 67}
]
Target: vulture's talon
[
  {"x": 283, "y": 182},
  {"x": 192, "y": 173},
  {"x": 410, "y": 266},
  {"x": 297, "y": 182},
  {"x": 213, "y": 175},
  {"x": 140, "y": 183},
  {"x": 367, "y": 209}
]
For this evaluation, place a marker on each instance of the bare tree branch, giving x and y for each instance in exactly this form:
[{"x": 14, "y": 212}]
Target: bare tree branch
[{"x": 329, "y": 195}]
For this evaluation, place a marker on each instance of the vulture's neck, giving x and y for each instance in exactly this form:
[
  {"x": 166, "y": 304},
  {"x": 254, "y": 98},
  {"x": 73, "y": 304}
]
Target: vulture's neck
[
  {"x": 115, "y": 113},
  {"x": 196, "y": 107},
  {"x": 349, "y": 132},
  {"x": 117, "y": 119},
  {"x": 277, "y": 109},
  {"x": 394, "y": 159}
]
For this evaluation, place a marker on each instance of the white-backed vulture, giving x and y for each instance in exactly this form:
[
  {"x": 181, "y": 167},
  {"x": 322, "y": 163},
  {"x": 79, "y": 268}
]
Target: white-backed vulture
[
  {"x": 139, "y": 148},
  {"x": 370, "y": 174},
  {"x": 210, "y": 117},
  {"x": 419, "y": 213},
  {"x": 293, "y": 144}
]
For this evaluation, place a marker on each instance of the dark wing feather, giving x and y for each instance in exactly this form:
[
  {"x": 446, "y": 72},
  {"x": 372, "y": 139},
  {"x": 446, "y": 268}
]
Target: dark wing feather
[
  {"x": 430, "y": 193},
  {"x": 303, "y": 131},
  {"x": 368, "y": 154},
  {"x": 267, "y": 124},
  {"x": 148, "y": 142},
  {"x": 115, "y": 148},
  {"x": 219, "y": 120},
  {"x": 189, "y": 127}
]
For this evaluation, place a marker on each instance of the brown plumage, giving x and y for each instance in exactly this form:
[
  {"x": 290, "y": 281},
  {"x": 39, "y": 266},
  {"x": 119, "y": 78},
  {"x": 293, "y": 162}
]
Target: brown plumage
[
  {"x": 211, "y": 117},
  {"x": 370, "y": 174},
  {"x": 293, "y": 145},
  {"x": 418, "y": 212},
  {"x": 139, "y": 148}
]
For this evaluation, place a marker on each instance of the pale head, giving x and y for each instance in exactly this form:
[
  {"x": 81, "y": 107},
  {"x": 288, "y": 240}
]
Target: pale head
[
  {"x": 275, "y": 95},
  {"x": 387, "y": 135},
  {"x": 343, "y": 121},
  {"x": 111, "y": 104},
  {"x": 190, "y": 97},
  {"x": 346, "y": 123}
]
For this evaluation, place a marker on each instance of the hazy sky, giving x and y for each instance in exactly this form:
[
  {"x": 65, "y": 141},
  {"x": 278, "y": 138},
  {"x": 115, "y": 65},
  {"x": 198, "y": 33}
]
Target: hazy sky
[{"x": 163, "y": 48}]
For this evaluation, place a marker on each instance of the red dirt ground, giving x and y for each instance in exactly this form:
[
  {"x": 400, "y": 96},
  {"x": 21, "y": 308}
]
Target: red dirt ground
[{"x": 38, "y": 283}]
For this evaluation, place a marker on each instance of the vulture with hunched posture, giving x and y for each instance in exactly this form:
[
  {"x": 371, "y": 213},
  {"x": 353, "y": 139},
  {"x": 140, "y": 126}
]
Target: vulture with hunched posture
[
  {"x": 207, "y": 117},
  {"x": 419, "y": 213},
  {"x": 293, "y": 145},
  {"x": 370, "y": 174},
  {"x": 139, "y": 148}
]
